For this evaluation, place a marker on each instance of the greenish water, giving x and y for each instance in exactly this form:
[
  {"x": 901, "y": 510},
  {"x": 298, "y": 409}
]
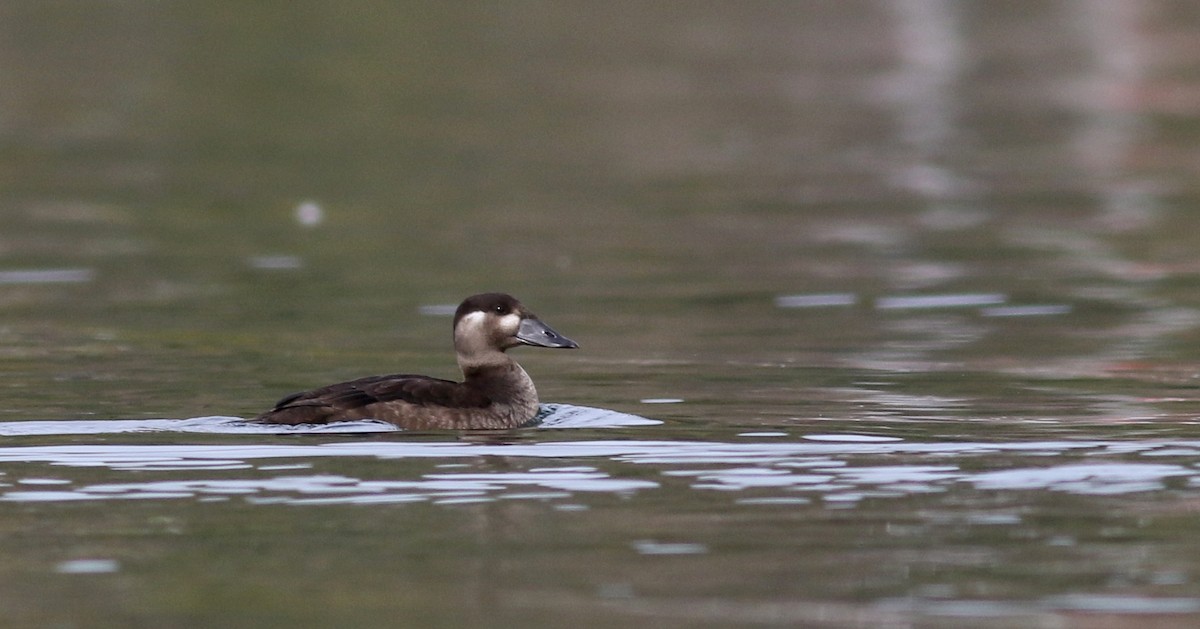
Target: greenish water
[{"x": 911, "y": 287}]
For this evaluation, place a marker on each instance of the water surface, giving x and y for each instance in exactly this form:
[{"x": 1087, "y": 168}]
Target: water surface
[{"x": 887, "y": 312}]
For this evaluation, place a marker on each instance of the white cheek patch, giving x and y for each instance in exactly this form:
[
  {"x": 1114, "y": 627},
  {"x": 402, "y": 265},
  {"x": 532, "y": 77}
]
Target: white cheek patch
[
  {"x": 471, "y": 321},
  {"x": 510, "y": 323}
]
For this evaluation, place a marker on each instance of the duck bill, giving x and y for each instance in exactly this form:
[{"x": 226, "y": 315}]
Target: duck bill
[{"x": 534, "y": 332}]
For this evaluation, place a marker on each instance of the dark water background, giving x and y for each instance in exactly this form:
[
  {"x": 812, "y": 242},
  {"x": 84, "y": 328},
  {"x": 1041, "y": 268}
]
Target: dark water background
[{"x": 912, "y": 286}]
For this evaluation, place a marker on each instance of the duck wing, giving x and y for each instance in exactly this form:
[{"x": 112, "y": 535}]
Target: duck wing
[{"x": 366, "y": 397}]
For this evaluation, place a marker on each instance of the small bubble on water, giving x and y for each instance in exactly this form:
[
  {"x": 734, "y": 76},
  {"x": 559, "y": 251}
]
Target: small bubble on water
[
  {"x": 309, "y": 214},
  {"x": 276, "y": 263},
  {"x": 951, "y": 300},
  {"x": 615, "y": 590},
  {"x": 651, "y": 547},
  {"x": 818, "y": 300},
  {"x": 47, "y": 276},
  {"x": 1047, "y": 310},
  {"x": 87, "y": 566}
]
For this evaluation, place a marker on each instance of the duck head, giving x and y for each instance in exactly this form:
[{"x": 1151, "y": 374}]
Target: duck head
[{"x": 489, "y": 323}]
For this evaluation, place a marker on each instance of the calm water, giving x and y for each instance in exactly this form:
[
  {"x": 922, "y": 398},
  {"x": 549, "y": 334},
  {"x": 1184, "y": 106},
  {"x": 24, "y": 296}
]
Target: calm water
[{"x": 889, "y": 312}]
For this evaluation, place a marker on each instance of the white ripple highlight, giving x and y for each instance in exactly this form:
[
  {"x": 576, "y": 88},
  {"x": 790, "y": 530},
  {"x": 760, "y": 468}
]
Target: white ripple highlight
[
  {"x": 771, "y": 472},
  {"x": 550, "y": 416}
]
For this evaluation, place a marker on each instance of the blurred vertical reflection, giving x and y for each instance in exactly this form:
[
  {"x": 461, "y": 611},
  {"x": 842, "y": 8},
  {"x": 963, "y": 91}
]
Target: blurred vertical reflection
[
  {"x": 1113, "y": 125},
  {"x": 925, "y": 86}
]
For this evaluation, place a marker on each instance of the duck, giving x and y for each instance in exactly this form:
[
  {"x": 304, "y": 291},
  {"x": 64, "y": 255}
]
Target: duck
[{"x": 495, "y": 393}]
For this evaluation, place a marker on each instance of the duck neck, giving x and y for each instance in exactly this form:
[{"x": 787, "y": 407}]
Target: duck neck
[{"x": 501, "y": 379}]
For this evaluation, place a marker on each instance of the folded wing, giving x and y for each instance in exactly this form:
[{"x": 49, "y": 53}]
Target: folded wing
[{"x": 360, "y": 399}]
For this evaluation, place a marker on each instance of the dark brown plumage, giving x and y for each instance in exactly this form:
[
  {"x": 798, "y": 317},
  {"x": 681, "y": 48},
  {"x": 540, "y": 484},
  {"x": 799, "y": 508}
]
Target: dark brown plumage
[{"x": 495, "y": 392}]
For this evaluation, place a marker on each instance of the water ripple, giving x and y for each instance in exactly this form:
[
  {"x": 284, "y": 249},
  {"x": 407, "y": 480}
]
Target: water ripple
[
  {"x": 799, "y": 472},
  {"x": 550, "y": 416}
]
